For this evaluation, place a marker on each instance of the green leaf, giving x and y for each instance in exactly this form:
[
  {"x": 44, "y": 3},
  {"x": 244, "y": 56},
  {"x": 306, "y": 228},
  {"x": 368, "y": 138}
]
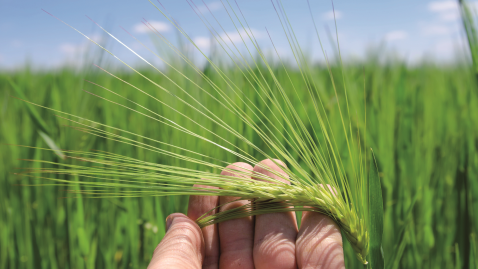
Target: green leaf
[
  {"x": 83, "y": 241},
  {"x": 35, "y": 117},
  {"x": 396, "y": 255},
  {"x": 38, "y": 121},
  {"x": 474, "y": 254},
  {"x": 470, "y": 30},
  {"x": 375, "y": 216},
  {"x": 457, "y": 257}
]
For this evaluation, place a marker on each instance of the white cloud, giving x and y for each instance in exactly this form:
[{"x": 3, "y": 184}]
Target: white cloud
[
  {"x": 236, "y": 36},
  {"x": 450, "y": 16},
  {"x": 395, "y": 35},
  {"x": 159, "y": 26},
  {"x": 433, "y": 29},
  {"x": 329, "y": 16},
  {"x": 445, "y": 47},
  {"x": 96, "y": 37},
  {"x": 212, "y": 7},
  {"x": 229, "y": 37},
  {"x": 202, "y": 42},
  {"x": 80, "y": 48},
  {"x": 448, "y": 10},
  {"x": 442, "y": 6}
]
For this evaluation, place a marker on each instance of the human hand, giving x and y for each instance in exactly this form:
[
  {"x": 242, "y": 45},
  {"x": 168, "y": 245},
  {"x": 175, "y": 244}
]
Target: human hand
[{"x": 264, "y": 241}]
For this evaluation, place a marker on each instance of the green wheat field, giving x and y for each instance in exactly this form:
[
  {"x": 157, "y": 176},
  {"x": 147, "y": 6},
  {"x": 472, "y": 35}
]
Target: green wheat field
[{"x": 421, "y": 122}]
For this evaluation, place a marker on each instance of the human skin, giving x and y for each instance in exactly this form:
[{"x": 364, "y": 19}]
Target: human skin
[{"x": 264, "y": 241}]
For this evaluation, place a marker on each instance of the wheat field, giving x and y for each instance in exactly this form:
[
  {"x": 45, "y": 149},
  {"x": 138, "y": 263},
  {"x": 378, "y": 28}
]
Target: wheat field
[{"x": 421, "y": 122}]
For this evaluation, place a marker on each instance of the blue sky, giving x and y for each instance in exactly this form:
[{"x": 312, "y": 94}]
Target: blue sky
[{"x": 412, "y": 29}]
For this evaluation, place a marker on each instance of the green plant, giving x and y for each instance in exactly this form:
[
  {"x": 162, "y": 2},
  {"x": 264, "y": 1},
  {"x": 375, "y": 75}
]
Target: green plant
[
  {"x": 415, "y": 118},
  {"x": 289, "y": 137}
]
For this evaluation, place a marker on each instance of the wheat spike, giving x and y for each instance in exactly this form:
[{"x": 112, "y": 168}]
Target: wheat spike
[{"x": 288, "y": 136}]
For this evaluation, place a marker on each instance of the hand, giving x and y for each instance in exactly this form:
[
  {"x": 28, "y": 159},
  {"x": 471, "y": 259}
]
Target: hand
[{"x": 264, "y": 241}]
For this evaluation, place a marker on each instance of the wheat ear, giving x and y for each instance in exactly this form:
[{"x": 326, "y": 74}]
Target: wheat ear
[{"x": 308, "y": 144}]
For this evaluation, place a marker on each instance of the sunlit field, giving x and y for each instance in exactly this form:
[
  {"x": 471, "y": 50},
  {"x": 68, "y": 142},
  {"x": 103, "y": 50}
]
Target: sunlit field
[{"x": 420, "y": 120}]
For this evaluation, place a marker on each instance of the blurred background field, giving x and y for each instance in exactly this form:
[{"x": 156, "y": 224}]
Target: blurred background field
[{"x": 422, "y": 123}]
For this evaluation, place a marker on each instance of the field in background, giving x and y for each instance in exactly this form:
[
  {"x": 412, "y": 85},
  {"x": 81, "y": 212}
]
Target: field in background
[{"x": 422, "y": 123}]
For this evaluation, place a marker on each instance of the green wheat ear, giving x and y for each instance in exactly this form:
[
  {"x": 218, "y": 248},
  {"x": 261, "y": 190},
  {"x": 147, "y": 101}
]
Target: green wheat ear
[{"x": 250, "y": 90}]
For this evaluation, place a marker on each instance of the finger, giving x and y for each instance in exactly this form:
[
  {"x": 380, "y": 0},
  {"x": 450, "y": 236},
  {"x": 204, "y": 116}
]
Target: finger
[
  {"x": 275, "y": 233},
  {"x": 199, "y": 205},
  {"x": 181, "y": 247},
  {"x": 319, "y": 243},
  {"x": 236, "y": 236}
]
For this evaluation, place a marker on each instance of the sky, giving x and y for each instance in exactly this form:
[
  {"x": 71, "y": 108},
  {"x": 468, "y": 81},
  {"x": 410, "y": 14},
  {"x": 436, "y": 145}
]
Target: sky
[{"x": 412, "y": 30}]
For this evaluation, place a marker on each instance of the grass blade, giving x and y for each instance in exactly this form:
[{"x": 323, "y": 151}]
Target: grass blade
[
  {"x": 38, "y": 121},
  {"x": 471, "y": 33},
  {"x": 396, "y": 255},
  {"x": 375, "y": 216}
]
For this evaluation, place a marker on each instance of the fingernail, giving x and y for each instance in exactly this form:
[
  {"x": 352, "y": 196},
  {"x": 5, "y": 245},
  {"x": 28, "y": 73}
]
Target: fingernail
[{"x": 169, "y": 220}]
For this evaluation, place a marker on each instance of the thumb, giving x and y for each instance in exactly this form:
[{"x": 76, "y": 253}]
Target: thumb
[{"x": 181, "y": 247}]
